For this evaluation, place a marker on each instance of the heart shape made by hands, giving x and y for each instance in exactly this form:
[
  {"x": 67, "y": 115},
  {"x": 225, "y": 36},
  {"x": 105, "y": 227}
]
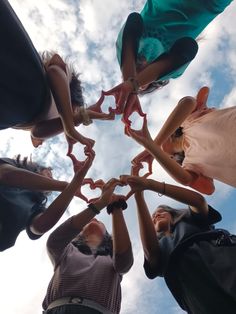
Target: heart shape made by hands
[
  {"x": 136, "y": 162},
  {"x": 97, "y": 184}
]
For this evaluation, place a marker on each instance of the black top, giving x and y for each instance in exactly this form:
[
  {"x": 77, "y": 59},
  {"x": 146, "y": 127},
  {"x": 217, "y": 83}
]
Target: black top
[
  {"x": 23, "y": 84},
  {"x": 197, "y": 267},
  {"x": 17, "y": 209}
]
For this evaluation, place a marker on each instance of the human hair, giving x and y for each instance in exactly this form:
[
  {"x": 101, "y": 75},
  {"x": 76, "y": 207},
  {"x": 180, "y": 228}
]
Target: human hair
[
  {"x": 76, "y": 90},
  {"x": 36, "y": 168},
  {"x": 178, "y": 157},
  {"x": 152, "y": 87},
  {"x": 29, "y": 165},
  {"x": 176, "y": 214},
  {"x": 105, "y": 248}
]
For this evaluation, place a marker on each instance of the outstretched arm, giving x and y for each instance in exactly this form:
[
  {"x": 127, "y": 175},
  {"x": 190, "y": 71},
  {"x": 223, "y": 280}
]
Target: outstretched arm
[
  {"x": 194, "y": 199},
  {"x": 21, "y": 178},
  {"x": 147, "y": 232},
  {"x": 122, "y": 250},
  {"x": 183, "y": 109},
  {"x": 59, "y": 83},
  {"x": 46, "y": 220},
  {"x": 143, "y": 137}
]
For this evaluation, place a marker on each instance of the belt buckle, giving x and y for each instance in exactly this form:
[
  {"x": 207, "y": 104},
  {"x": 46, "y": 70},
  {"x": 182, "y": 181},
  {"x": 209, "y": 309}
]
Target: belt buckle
[{"x": 76, "y": 300}]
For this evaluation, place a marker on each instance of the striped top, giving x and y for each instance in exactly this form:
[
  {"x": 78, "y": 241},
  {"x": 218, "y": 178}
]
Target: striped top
[{"x": 96, "y": 278}]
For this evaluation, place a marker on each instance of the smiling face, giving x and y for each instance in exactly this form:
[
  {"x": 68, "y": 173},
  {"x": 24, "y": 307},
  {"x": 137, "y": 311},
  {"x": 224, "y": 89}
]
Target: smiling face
[{"x": 162, "y": 220}]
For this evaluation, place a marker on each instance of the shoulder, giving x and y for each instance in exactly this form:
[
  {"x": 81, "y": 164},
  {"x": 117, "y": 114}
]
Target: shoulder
[
  {"x": 211, "y": 217},
  {"x": 7, "y": 161}
]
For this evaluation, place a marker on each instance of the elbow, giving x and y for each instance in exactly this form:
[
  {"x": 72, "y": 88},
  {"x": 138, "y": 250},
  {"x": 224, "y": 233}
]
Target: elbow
[
  {"x": 200, "y": 201},
  {"x": 188, "y": 102}
]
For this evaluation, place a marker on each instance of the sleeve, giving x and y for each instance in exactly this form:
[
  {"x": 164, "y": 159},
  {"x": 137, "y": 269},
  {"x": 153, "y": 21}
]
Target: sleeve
[
  {"x": 36, "y": 211},
  {"x": 59, "y": 239},
  {"x": 200, "y": 183},
  {"x": 151, "y": 272},
  {"x": 131, "y": 30},
  {"x": 203, "y": 185},
  {"x": 213, "y": 217},
  {"x": 123, "y": 262}
]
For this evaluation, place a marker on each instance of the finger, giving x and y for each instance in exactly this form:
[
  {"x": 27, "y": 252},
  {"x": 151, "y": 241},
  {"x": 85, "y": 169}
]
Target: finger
[
  {"x": 111, "y": 91},
  {"x": 82, "y": 197},
  {"x": 124, "y": 177}
]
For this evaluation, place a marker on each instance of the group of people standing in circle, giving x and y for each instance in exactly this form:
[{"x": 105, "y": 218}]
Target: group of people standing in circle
[{"x": 44, "y": 97}]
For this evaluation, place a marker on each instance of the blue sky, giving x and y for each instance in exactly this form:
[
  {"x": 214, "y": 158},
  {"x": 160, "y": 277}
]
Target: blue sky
[{"x": 86, "y": 31}]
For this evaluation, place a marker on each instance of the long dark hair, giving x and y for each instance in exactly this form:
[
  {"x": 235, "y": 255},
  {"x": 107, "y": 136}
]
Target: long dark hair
[
  {"x": 105, "y": 248},
  {"x": 31, "y": 166},
  {"x": 76, "y": 90}
]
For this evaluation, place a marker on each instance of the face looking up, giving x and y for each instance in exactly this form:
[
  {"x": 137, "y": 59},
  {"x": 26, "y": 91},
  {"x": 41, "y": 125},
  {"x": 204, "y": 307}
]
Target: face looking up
[
  {"x": 94, "y": 232},
  {"x": 162, "y": 220}
]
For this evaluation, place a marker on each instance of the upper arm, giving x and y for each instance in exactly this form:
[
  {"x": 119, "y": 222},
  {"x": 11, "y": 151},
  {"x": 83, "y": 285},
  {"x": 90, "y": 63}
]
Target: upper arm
[
  {"x": 202, "y": 184},
  {"x": 152, "y": 268},
  {"x": 123, "y": 262},
  {"x": 132, "y": 32}
]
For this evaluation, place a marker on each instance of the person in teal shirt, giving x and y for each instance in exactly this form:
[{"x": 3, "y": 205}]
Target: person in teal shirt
[{"x": 159, "y": 43}]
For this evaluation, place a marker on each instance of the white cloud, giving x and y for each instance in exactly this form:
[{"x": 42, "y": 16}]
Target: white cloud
[{"x": 87, "y": 30}]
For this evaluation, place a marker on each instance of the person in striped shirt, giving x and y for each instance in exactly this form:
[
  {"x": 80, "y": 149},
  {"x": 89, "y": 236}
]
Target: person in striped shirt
[{"x": 88, "y": 263}]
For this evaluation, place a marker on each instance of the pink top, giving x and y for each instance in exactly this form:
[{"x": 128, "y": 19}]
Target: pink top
[{"x": 210, "y": 144}]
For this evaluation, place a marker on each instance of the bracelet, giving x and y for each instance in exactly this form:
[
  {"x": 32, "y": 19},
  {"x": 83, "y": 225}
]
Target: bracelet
[
  {"x": 119, "y": 204},
  {"x": 164, "y": 190},
  {"x": 134, "y": 83},
  {"x": 93, "y": 208}
]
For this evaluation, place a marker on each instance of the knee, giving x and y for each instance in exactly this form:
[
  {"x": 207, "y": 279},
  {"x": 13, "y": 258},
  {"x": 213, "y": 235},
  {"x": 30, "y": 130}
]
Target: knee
[
  {"x": 184, "y": 49},
  {"x": 134, "y": 24}
]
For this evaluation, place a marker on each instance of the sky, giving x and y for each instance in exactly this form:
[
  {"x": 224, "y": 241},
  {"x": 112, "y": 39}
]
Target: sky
[{"x": 86, "y": 32}]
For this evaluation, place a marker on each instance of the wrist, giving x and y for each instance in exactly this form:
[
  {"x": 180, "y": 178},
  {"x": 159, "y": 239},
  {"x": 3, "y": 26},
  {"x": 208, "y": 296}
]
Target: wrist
[
  {"x": 94, "y": 208},
  {"x": 99, "y": 205},
  {"x": 118, "y": 205},
  {"x": 134, "y": 84}
]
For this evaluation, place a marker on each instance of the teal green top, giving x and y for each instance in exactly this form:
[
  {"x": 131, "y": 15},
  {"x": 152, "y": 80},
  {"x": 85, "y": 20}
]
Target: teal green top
[{"x": 166, "y": 21}]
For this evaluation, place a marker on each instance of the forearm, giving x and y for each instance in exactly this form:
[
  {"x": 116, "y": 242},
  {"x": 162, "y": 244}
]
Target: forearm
[
  {"x": 179, "y": 194},
  {"x": 171, "y": 166},
  {"x": 50, "y": 217},
  {"x": 154, "y": 71},
  {"x": 121, "y": 239},
  {"x": 21, "y": 178},
  {"x": 183, "y": 109},
  {"x": 81, "y": 219},
  {"x": 147, "y": 231}
]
